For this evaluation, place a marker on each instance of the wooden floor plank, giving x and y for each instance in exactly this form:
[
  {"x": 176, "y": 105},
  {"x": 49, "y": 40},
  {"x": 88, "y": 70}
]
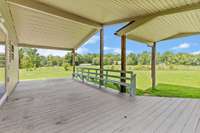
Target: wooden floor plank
[
  {"x": 68, "y": 106},
  {"x": 106, "y": 116},
  {"x": 136, "y": 122},
  {"x": 192, "y": 123},
  {"x": 178, "y": 125},
  {"x": 156, "y": 118},
  {"x": 119, "y": 120}
]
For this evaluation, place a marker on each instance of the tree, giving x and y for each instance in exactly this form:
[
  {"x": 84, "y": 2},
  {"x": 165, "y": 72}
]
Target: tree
[
  {"x": 168, "y": 58},
  {"x": 132, "y": 59},
  {"x": 29, "y": 58},
  {"x": 144, "y": 58}
]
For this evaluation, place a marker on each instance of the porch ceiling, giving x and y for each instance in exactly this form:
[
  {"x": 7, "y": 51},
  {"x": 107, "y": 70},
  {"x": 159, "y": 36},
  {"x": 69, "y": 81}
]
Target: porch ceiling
[
  {"x": 38, "y": 29},
  {"x": 68, "y": 23},
  {"x": 168, "y": 24},
  {"x": 2, "y": 37}
]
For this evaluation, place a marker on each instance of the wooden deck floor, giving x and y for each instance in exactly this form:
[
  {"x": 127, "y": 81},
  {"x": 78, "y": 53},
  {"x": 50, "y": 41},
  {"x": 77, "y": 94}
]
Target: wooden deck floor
[{"x": 67, "y": 106}]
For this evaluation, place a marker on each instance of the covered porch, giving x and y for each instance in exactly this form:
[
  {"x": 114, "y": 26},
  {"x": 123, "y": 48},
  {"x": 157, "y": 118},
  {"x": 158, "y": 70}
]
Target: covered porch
[{"x": 66, "y": 105}]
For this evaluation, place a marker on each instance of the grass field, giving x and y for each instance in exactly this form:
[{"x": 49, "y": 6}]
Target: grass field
[
  {"x": 171, "y": 83},
  {"x": 44, "y": 73}
]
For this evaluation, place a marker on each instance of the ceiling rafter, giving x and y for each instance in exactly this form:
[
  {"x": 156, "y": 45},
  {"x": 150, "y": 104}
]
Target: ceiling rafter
[
  {"x": 43, "y": 47},
  {"x": 140, "y": 20},
  {"x": 92, "y": 33},
  {"x": 181, "y": 35},
  {"x": 46, "y": 9}
]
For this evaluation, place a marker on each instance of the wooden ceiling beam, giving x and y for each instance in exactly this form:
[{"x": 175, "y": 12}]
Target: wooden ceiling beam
[
  {"x": 181, "y": 35},
  {"x": 140, "y": 20},
  {"x": 52, "y": 11},
  {"x": 42, "y": 46}
]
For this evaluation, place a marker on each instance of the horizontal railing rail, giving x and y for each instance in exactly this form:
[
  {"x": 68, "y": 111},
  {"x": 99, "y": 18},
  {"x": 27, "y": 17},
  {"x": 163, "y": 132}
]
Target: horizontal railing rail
[{"x": 109, "y": 75}]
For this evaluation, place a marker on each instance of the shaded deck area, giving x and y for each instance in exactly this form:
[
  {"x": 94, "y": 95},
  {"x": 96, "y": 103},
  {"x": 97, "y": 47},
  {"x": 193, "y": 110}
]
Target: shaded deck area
[{"x": 67, "y": 106}]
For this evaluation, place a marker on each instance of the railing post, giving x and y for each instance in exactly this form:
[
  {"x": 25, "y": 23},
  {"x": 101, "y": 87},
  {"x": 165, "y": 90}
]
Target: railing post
[
  {"x": 101, "y": 56},
  {"x": 82, "y": 75},
  {"x": 106, "y": 77},
  {"x": 123, "y": 63},
  {"x": 100, "y": 81},
  {"x": 133, "y": 85},
  {"x": 88, "y": 74},
  {"x": 153, "y": 65},
  {"x": 73, "y": 62},
  {"x": 96, "y": 75}
]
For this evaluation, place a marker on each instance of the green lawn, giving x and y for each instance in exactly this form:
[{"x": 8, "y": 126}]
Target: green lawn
[
  {"x": 177, "y": 83},
  {"x": 2, "y": 75},
  {"x": 172, "y": 77},
  {"x": 44, "y": 73},
  {"x": 182, "y": 81},
  {"x": 171, "y": 83}
]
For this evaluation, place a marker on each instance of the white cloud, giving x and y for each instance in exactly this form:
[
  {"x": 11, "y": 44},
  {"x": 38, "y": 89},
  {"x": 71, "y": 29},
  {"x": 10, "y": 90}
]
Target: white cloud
[
  {"x": 129, "y": 51},
  {"x": 82, "y": 50},
  {"x": 182, "y": 46},
  {"x": 107, "y": 48},
  {"x": 117, "y": 50},
  {"x": 196, "y": 52},
  {"x": 2, "y": 49},
  {"x": 92, "y": 40},
  {"x": 46, "y": 52}
]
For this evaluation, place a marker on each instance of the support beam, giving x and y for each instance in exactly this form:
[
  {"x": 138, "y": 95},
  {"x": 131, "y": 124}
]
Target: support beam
[
  {"x": 181, "y": 35},
  {"x": 123, "y": 62},
  {"x": 43, "y": 47},
  {"x": 101, "y": 55},
  {"x": 49, "y": 10},
  {"x": 73, "y": 62},
  {"x": 84, "y": 40},
  {"x": 133, "y": 25},
  {"x": 153, "y": 65}
]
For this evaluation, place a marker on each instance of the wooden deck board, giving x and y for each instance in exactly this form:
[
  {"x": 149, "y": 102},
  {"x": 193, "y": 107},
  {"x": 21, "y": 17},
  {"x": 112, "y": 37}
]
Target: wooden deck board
[{"x": 67, "y": 106}]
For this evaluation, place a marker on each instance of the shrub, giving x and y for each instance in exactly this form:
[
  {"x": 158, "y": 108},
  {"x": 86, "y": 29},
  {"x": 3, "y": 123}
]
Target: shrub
[{"x": 66, "y": 66}]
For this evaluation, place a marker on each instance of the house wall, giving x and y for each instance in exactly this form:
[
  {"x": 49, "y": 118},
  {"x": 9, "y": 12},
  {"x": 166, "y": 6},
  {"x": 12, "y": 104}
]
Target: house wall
[{"x": 12, "y": 58}]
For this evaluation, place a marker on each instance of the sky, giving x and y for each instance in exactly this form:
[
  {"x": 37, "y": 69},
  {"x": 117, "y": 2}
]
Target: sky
[{"x": 112, "y": 45}]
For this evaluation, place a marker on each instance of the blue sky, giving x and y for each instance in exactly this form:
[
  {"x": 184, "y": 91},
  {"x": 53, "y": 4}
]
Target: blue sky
[{"x": 112, "y": 44}]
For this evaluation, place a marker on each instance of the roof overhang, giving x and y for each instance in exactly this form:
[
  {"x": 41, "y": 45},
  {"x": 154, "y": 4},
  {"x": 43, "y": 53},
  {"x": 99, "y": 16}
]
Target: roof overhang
[
  {"x": 168, "y": 24},
  {"x": 39, "y": 25},
  {"x": 67, "y": 24}
]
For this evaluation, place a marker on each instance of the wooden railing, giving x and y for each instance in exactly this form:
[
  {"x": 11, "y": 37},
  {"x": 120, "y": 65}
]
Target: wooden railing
[{"x": 113, "y": 76}]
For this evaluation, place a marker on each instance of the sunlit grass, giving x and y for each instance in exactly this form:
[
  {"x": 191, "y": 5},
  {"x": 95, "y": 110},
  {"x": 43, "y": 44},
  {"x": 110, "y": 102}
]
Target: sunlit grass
[
  {"x": 171, "y": 83},
  {"x": 182, "y": 81},
  {"x": 45, "y": 73}
]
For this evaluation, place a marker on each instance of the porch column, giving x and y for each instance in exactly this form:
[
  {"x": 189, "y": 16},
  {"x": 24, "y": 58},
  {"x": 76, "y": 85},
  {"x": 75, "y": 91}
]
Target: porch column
[
  {"x": 101, "y": 54},
  {"x": 123, "y": 62},
  {"x": 73, "y": 61},
  {"x": 153, "y": 65}
]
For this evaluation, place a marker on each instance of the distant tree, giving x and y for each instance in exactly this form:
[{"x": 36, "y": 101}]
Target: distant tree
[
  {"x": 168, "y": 58},
  {"x": 43, "y": 61},
  {"x": 132, "y": 59},
  {"x": 144, "y": 58},
  {"x": 29, "y": 58},
  {"x": 2, "y": 60},
  {"x": 95, "y": 61},
  {"x": 68, "y": 58}
]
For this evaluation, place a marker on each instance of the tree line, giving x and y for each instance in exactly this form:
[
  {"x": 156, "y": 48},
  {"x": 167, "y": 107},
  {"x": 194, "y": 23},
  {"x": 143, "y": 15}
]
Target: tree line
[
  {"x": 30, "y": 58},
  {"x": 143, "y": 58}
]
